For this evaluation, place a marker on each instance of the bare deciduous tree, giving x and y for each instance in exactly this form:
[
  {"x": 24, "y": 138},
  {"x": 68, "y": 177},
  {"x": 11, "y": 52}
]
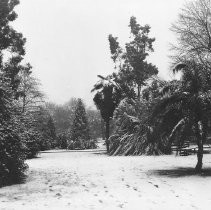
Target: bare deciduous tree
[
  {"x": 30, "y": 95},
  {"x": 193, "y": 31}
]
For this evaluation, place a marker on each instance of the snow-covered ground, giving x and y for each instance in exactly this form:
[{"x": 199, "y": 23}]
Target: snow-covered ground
[{"x": 92, "y": 180}]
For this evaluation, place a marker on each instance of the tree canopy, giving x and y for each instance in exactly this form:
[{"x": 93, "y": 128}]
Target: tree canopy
[{"x": 133, "y": 68}]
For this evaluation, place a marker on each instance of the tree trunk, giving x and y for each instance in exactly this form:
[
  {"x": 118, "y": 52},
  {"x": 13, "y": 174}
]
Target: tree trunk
[
  {"x": 199, "y": 155},
  {"x": 200, "y": 136},
  {"x": 139, "y": 92},
  {"x": 107, "y": 134},
  {"x": 103, "y": 128}
]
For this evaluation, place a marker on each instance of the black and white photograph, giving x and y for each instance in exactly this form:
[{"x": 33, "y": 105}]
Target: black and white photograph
[{"x": 105, "y": 105}]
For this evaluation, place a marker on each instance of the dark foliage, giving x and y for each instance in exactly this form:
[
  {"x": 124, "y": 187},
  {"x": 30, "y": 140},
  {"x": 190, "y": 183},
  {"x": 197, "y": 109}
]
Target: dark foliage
[
  {"x": 12, "y": 149},
  {"x": 106, "y": 99},
  {"x": 134, "y": 70}
]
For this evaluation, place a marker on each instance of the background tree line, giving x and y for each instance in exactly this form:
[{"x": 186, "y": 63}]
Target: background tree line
[{"x": 65, "y": 122}]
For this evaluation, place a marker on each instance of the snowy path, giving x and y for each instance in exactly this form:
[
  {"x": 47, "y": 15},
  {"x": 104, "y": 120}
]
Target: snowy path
[{"x": 92, "y": 180}]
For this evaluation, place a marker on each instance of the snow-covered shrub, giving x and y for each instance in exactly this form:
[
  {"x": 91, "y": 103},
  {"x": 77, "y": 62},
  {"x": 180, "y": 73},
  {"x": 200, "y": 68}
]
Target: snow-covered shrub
[
  {"x": 62, "y": 140},
  {"x": 12, "y": 156},
  {"x": 12, "y": 166},
  {"x": 31, "y": 142}
]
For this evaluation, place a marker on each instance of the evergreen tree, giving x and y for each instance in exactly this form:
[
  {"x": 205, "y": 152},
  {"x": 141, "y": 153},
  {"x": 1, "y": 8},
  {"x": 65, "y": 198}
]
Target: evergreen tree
[
  {"x": 134, "y": 70},
  {"x": 12, "y": 151},
  {"x": 12, "y": 155},
  {"x": 62, "y": 140},
  {"x": 79, "y": 137}
]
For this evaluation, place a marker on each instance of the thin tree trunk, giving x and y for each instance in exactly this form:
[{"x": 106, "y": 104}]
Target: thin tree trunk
[
  {"x": 139, "y": 93},
  {"x": 199, "y": 135},
  {"x": 199, "y": 155},
  {"x": 168, "y": 149},
  {"x": 107, "y": 134}
]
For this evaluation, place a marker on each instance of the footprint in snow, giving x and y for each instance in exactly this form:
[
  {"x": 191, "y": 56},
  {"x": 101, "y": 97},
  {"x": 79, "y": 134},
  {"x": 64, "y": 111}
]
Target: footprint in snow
[
  {"x": 93, "y": 184},
  {"x": 153, "y": 184}
]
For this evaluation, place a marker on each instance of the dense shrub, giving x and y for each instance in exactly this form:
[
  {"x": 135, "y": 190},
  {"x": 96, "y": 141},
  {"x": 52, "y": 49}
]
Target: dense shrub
[
  {"x": 30, "y": 140},
  {"x": 12, "y": 157},
  {"x": 62, "y": 141},
  {"x": 12, "y": 149}
]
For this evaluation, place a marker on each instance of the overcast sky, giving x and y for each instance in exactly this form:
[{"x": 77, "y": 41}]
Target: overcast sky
[{"x": 67, "y": 40}]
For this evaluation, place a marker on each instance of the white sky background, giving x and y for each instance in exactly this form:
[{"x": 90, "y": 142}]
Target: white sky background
[{"x": 67, "y": 40}]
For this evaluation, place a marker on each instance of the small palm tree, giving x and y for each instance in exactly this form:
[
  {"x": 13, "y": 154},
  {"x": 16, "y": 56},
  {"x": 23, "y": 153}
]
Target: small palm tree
[
  {"x": 106, "y": 99},
  {"x": 187, "y": 104}
]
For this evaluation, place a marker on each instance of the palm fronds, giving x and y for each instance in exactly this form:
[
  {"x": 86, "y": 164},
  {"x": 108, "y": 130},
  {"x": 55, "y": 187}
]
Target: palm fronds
[{"x": 132, "y": 136}]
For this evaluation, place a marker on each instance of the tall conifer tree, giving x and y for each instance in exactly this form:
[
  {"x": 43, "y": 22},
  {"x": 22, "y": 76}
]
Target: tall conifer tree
[{"x": 80, "y": 137}]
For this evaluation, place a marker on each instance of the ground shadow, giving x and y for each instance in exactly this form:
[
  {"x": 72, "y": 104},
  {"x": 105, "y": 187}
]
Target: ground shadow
[
  {"x": 181, "y": 172},
  {"x": 37, "y": 157},
  {"x": 103, "y": 152}
]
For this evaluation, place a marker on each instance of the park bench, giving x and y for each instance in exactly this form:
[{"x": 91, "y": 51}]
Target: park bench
[
  {"x": 185, "y": 152},
  {"x": 194, "y": 150},
  {"x": 182, "y": 150},
  {"x": 187, "y": 148}
]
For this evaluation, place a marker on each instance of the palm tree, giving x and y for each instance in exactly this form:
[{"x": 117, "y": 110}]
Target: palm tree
[
  {"x": 186, "y": 103},
  {"x": 106, "y": 99}
]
